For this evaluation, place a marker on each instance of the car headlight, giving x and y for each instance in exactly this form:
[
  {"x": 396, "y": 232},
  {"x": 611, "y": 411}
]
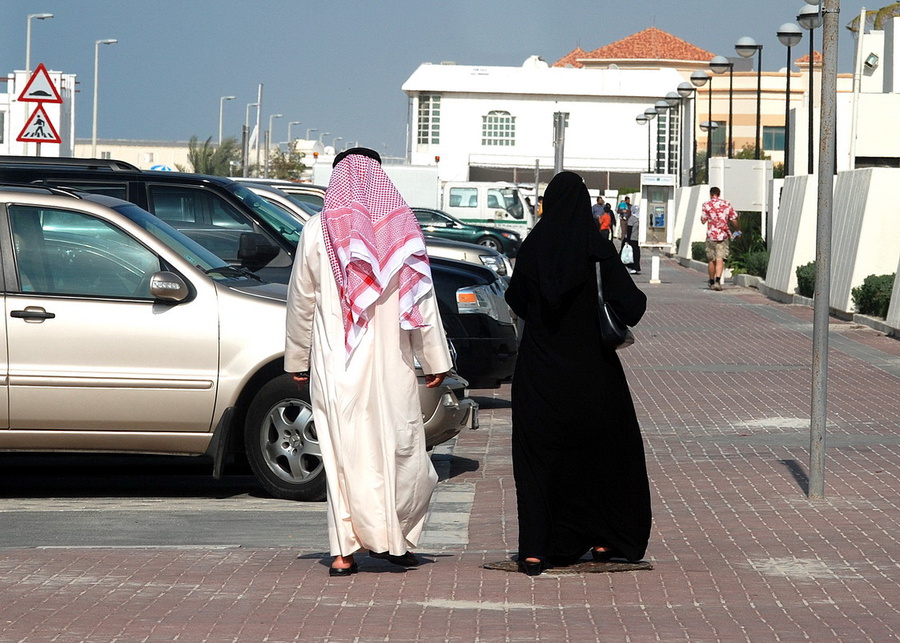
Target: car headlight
[
  {"x": 477, "y": 299},
  {"x": 495, "y": 263},
  {"x": 510, "y": 235}
]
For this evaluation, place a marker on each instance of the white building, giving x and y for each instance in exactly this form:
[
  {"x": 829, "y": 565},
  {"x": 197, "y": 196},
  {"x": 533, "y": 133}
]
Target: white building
[{"x": 496, "y": 123}]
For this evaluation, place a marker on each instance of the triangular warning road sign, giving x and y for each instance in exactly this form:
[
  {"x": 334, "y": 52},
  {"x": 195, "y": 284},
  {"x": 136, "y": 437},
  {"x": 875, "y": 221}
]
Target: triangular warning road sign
[
  {"x": 39, "y": 88},
  {"x": 39, "y": 129}
]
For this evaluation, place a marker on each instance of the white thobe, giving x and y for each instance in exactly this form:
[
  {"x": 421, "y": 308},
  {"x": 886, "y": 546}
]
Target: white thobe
[{"x": 366, "y": 410}]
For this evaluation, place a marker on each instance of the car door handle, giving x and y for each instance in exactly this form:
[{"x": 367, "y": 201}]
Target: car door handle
[{"x": 32, "y": 313}]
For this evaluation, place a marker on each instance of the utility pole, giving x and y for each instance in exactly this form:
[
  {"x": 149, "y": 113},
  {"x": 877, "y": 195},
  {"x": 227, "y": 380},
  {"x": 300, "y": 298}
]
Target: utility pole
[
  {"x": 559, "y": 140},
  {"x": 821, "y": 304}
]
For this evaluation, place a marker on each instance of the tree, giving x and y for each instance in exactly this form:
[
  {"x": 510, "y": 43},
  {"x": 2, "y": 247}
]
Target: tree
[
  {"x": 287, "y": 165},
  {"x": 213, "y": 159}
]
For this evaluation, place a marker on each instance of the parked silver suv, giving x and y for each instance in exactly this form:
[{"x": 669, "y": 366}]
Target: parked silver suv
[{"x": 123, "y": 335}]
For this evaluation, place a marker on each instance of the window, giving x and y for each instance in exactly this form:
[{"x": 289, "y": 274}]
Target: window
[
  {"x": 463, "y": 197},
  {"x": 773, "y": 138},
  {"x": 106, "y": 155},
  {"x": 720, "y": 139},
  {"x": 498, "y": 128},
  {"x": 429, "y": 119},
  {"x": 60, "y": 252}
]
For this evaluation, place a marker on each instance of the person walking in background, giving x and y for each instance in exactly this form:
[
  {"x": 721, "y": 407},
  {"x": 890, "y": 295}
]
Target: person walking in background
[
  {"x": 718, "y": 215},
  {"x": 597, "y": 210},
  {"x": 630, "y": 237},
  {"x": 360, "y": 303},
  {"x": 624, "y": 212},
  {"x": 578, "y": 455}
]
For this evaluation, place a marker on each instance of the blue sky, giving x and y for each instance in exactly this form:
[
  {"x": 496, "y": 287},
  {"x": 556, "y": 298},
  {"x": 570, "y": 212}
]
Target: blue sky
[{"x": 338, "y": 65}]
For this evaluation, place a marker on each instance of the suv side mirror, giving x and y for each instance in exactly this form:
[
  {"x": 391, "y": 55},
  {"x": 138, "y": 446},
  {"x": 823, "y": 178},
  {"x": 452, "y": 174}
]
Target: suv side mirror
[
  {"x": 167, "y": 286},
  {"x": 255, "y": 251}
]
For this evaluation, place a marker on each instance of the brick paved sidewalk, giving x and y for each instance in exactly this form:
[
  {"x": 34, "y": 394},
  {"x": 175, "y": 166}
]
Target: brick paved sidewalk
[{"x": 721, "y": 381}]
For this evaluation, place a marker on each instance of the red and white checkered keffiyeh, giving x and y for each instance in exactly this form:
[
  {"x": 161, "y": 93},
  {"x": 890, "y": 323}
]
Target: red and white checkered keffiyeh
[{"x": 371, "y": 235}]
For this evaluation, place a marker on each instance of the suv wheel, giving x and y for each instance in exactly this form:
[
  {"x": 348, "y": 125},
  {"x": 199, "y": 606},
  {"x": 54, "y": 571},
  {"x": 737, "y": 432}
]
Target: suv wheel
[
  {"x": 281, "y": 442},
  {"x": 492, "y": 243}
]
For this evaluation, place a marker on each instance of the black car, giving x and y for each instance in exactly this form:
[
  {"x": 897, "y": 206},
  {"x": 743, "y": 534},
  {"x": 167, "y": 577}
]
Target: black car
[{"x": 222, "y": 215}]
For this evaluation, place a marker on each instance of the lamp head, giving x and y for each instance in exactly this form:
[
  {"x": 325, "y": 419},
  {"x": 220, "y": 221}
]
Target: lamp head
[
  {"x": 661, "y": 106},
  {"x": 685, "y": 89},
  {"x": 40, "y": 16},
  {"x": 720, "y": 64},
  {"x": 650, "y": 113},
  {"x": 810, "y": 17},
  {"x": 746, "y": 47},
  {"x": 641, "y": 119},
  {"x": 673, "y": 98},
  {"x": 789, "y": 34},
  {"x": 699, "y": 78}
]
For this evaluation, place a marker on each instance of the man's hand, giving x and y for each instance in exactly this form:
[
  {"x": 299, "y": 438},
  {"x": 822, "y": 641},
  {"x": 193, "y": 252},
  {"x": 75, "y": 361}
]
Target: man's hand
[
  {"x": 301, "y": 378},
  {"x": 433, "y": 381}
]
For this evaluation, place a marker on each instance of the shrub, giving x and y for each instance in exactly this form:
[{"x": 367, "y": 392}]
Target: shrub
[
  {"x": 874, "y": 296},
  {"x": 806, "y": 279},
  {"x": 698, "y": 251},
  {"x": 756, "y": 263}
]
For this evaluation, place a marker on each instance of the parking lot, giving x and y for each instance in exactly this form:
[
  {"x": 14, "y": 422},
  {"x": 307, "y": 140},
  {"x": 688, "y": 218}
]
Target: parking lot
[{"x": 739, "y": 553}]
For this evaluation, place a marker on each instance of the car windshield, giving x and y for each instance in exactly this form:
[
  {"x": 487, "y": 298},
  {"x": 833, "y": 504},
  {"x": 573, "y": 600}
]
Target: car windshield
[
  {"x": 310, "y": 208},
  {"x": 280, "y": 221},
  {"x": 187, "y": 248}
]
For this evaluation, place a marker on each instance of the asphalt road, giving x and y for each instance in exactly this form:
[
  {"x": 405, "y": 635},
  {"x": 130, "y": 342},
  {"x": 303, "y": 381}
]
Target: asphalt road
[{"x": 144, "y": 501}]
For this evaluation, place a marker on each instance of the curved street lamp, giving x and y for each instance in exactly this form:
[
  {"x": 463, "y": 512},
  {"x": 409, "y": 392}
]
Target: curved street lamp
[
  {"x": 650, "y": 113},
  {"x": 35, "y": 16},
  {"x": 687, "y": 90},
  {"x": 746, "y": 47},
  {"x": 810, "y": 18},
  {"x": 789, "y": 35},
  {"x": 718, "y": 65},
  {"x": 97, "y": 43},
  {"x": 221, "y": 110}
]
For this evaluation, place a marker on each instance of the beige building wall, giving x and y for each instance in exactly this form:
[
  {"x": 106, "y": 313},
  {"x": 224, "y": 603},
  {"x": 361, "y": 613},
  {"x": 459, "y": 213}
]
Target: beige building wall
[{"x": 146, "y": 155}]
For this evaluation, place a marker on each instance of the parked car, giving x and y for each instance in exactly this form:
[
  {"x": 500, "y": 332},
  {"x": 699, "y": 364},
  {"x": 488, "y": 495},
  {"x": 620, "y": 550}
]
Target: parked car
[
  {"x": 125, "y": 335},
  {"x": 439, "y": 223}
]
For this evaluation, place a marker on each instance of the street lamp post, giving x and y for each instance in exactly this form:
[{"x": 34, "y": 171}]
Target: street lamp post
[
  {"x": 36, "y": 16},
  {"x": 746, "y": 47},
  {"x": 311, "y": 129},
  {"x": 221, "y": 110},
  {"x": 687, "y": 90},
  {"x": 674, "y": 125},
  {"x": 108, "y": 41},
  {"x": 650, "y": 113},
  {"x": 789, "y": 35},
  {"x": 810, "y": 18},
  {"x": 323, "y": 135},
  {"x": 718, "y": 65},
  {"x": 245, "y": 142},
  {"x": 290, "y": 124},
  {"x": 698, "y": 79},
  {"x": 269, "y": 141}
]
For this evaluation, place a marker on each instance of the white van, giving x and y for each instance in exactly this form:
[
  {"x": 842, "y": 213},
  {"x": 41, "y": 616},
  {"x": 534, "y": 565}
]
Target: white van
[{"x": 501, "y": 205}]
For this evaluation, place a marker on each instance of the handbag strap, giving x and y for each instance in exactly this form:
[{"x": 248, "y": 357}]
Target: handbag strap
[{"x": 599, "y": 284}]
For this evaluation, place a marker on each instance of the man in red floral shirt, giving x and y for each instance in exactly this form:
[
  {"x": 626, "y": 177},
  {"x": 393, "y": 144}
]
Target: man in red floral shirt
[{"x": 717, "y": 215}]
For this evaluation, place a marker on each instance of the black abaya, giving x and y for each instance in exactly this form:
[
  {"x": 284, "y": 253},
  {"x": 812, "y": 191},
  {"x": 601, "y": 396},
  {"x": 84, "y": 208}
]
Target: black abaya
[{"x": 578, "y": 456}]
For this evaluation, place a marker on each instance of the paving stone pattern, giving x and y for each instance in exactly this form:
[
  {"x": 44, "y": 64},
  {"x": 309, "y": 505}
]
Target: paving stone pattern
[{"x": 739, "y": 553}]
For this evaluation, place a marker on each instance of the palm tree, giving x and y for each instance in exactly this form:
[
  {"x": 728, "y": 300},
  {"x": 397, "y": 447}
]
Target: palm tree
[{"x": 213, "y": 159}]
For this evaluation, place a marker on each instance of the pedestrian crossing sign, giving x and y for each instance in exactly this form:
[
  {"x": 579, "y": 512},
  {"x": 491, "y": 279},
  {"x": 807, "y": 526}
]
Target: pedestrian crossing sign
[
  {"x": 39, "y": 129},
  {"x": 39, "y": 88}
]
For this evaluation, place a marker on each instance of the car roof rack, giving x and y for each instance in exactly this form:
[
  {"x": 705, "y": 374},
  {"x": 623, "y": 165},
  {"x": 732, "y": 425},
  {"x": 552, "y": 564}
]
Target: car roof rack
[
  {"x": 64, "y": 161},
  {"x": 42, "y": 189}
]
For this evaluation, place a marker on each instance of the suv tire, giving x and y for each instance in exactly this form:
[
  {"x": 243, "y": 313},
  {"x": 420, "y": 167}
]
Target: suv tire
[{"x": 281, "y": 442}]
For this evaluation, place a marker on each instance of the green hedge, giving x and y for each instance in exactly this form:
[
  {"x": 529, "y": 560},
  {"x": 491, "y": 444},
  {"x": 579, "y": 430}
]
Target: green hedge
[
  {"x": 757, "y": 263},
  {"x": 874, "y": 296},
  {"x": 806, "y": 279},
  {"x": 698, "y": 251}
]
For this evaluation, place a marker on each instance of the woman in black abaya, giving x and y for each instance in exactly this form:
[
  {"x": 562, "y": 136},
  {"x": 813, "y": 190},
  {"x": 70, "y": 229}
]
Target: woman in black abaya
[{"x": 578, "y": 455}]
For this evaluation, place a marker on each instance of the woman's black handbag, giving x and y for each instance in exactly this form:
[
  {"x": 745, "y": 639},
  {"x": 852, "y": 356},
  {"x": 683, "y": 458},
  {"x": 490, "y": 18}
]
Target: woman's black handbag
[{"x": 613, "y": 333}]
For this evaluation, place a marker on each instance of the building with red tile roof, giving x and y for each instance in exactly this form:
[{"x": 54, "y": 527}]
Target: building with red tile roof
[{"x": 648, "y": 49}]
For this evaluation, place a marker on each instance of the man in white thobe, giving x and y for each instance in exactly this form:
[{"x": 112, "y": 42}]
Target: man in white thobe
[{"x": 363, "y": 383}]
